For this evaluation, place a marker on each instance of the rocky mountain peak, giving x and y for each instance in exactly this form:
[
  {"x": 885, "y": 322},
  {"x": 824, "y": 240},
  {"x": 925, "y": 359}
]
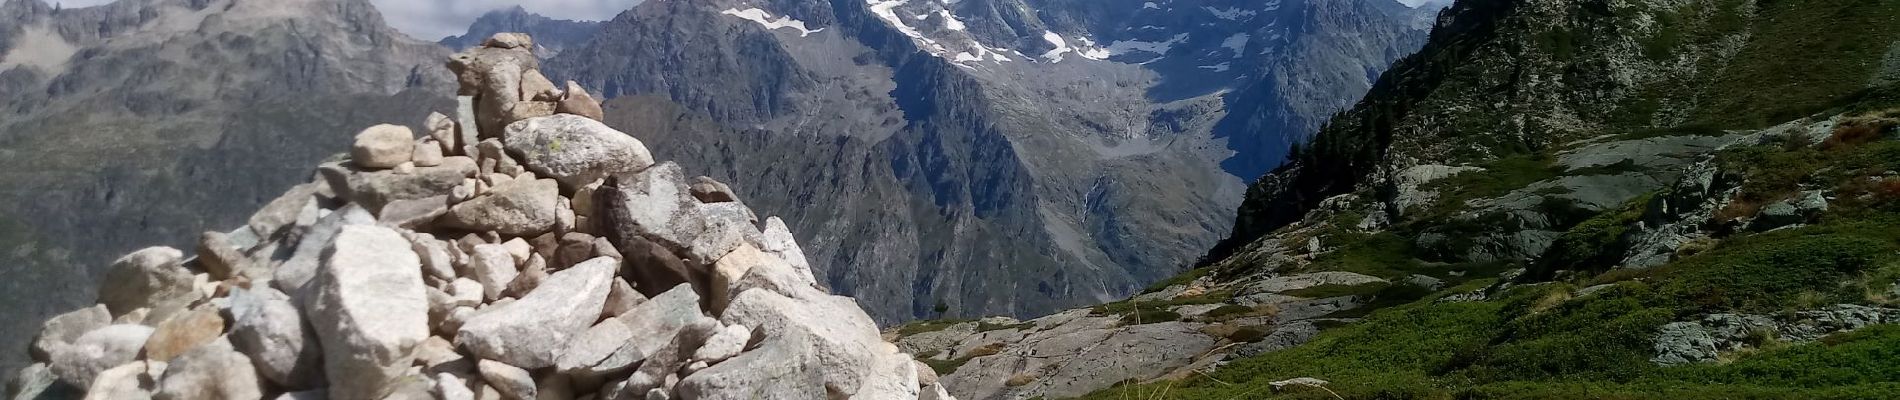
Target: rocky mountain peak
[{"x": 520, "y": 248}]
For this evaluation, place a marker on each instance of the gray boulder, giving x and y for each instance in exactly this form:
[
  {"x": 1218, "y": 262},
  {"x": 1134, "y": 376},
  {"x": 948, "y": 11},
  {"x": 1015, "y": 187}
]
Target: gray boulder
[
  {"x": 369, "y": 310},
  {"x": 573, "y": 149},
  {"x": 533, "y": 331},
  {"x": 656, "y": 321},
  {"x": 376, "y": 189},
  {"x": 63, "y": 329},
  {"x": 707, "y": 190},
  {"x": 514, "y": 383},
  {"x": 214, "y": 371},
  {"x": 517, "y": 208},
  {"x": 578, "y": 102},
  {"x": 491, "y": 265},
  {"x": 728, "y": 342},
  {"x": 784, "y": 365},
  {"x": 77, "y": 364},
  {"x": 845, "y": 339},
  {"x": 295, "y": 273},
  {"x": 599, "y": 343},
  {"x": 133, "y": 380},
  {"x": 151, "y": 278},
  {"x": 383, "y": 146},
  {"x": 270, "y": 330}
]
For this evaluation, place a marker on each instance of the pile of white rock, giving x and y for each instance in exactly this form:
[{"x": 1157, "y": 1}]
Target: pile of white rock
[{"x": 520, "y": 250}]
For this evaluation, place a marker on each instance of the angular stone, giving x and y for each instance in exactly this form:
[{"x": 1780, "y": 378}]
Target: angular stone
[
  {"x": 537, "y": 87},
  {"x": 184, "y": 332},
  {"x": 130, "y": 381},
  {"x": 214, "y": 371},
  {"x": 532, "y": 274},
  {"x": 218, "y": 256},
  {"x": 926, "y": 376},
  {"x": 707, "y": 190},
  {"x": 575, "y": 150},
  {"x": 266, "y": 327},
  {"x": 531, "y": 332},
  {"x": 728, "y": 342},
  {"x": 413, "y": 213},
  {"x": 150, "y": 278},
  {"x": 669, "y": 358},
  {"x": 36, "y": 381},
  {"x": 892, "y": 377},
  {"x": 578, "y": 102},
  {"x": 77, "y": 364},
  {"x": 653, "y": 269},
  {"x": 369, "y": 309},
  {"x": 777, "y": 240},
  {"x": 509, "y": 40},
  {"x": 519, "y": 208},
  {"x": 442, "y": 129},
  {"x": 595, "y": 345},
  {"x": 783, "y": 365},
  {"x": 645, "y": 203},
  {"x": 294, "y": 274},
  {"x": 620, "y": 299},
  {"x": 514, "y": 383},
  {"x": 519, "y": 248},
  {"x": 376, "y": 189},
  {"x": 491, "y": 265},
  {"x": 63, "y": 329},
  {"x": 283, "y": 211},
  {"x": 427, "y": 154},
  {"x": 466, "y": 133},
  {"x": 730, "y": 269},
  {"x": 846, "y": 340},
  {"x": 383, "y": 146},
  {"x": 655, "y": 322},
  {"x": 574, "y": 247},
  {"x": 436, "y": 259},
  {"x": 719, "y": 228}
]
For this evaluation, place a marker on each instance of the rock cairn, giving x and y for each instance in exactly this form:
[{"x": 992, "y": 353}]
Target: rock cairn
[{"x": 521, "y": 250}]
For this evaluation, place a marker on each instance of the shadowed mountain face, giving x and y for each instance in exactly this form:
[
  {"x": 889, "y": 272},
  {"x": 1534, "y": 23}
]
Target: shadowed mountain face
[
  {"x": 148, "y": 119},
  {"x": 550, "y": 35},
  {"x": 976, "y": 157}
]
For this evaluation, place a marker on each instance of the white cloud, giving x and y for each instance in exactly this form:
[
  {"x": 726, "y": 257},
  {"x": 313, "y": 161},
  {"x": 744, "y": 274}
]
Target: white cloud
[{"x": 435, "y": 19}]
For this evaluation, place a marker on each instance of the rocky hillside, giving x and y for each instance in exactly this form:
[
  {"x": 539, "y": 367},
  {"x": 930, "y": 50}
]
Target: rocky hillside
[
  {"x": 549, "y": 257},
  {"x": 981, "y": 158},
  {"x": 149, "y": 120},
  {"x": 1553, "y": 199}
]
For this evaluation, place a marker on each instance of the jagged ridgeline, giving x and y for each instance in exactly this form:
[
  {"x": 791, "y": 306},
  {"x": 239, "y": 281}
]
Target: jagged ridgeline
[
  {"x": 1572, "y": 199},
  {"x": 520, "y": 250}
]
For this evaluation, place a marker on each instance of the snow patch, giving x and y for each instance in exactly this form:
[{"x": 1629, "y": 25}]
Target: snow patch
[
  {"x": 1151, "y": 5},
  {"x": 764, "y": 18},
  {"x": 1237, "y": 42},
  {"x": 1234, "y": 13},
  {"x": 950, "y": 21},
  {"x": 1128, "y": 46}
]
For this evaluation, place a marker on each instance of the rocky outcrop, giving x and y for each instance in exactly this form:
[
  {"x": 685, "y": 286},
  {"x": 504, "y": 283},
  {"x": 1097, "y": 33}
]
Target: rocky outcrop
[{"x": 508, "y": 293}]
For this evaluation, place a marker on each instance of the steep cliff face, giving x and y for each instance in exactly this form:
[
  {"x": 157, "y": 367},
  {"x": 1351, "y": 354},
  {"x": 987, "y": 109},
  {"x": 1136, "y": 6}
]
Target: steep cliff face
[
  {"x": 986, "y": 158},
  {"x": 1583, "y": 198},
  {"x": 144, "y": 119}
]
